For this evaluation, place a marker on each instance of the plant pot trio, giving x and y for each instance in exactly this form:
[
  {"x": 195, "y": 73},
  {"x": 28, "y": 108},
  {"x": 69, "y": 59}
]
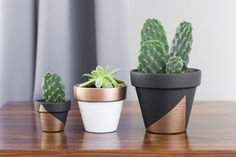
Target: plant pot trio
[{"x": 164, "y": 84}]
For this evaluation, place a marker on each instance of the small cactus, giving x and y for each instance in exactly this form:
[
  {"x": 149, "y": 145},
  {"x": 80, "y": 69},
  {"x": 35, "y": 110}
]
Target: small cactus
[
  {"x": 153, "y": 30},
  {"x": 152, "y": 57},
  {"x": 53, "y": 88},
  {"x": 174, "y": 65},
  {"x": 182, "y": 42}
]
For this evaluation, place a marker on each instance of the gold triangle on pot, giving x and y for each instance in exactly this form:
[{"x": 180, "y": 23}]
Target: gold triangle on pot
[
  {"x": 42, "y": 109},
  {"x": 173, "y": 121},
  {"x": 49, "y": 122}
]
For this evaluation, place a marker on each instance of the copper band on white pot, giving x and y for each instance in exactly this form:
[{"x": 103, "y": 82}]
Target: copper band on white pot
[{"x": 99, "y": 94}]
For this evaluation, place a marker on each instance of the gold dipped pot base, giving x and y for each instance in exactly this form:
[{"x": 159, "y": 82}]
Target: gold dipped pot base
[
  {"x": 51, "y": 124},
  {"x": 52, "y": 115},
  {"x": 173, "y": 122}
]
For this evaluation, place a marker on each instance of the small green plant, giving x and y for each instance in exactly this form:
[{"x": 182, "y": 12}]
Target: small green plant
[
  {"x": 101, "y": 78},
  {"x": 154, "y": 54},
  {"x": 174, "y": 64},
  {"x": 53, "y": 88}
]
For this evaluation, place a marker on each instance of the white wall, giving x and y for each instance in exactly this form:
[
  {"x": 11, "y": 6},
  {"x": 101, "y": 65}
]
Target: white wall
[{"x": 214, "y": 35}]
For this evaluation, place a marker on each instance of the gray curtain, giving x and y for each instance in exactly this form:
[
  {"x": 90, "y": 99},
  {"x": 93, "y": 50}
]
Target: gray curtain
[{"x": 69, "y": 37}]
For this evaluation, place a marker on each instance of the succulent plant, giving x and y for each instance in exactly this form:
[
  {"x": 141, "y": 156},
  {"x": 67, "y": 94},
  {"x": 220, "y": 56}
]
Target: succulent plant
[
  {"x": 101, "y": 78},
  {"x": 174, "y": 65},
  {"x": 154, "y": 54},
  {"x": 53, "y": 88},
  {"x": 152, "y": 57},
  {"x": 153, "y": 30},
  {"x": 182, "y": 42}
]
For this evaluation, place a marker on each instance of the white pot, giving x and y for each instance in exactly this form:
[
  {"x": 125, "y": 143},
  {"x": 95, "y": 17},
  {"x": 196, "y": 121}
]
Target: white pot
[
  {"x": 100, "y": 108},
  {"x": 100, "y": 117}
]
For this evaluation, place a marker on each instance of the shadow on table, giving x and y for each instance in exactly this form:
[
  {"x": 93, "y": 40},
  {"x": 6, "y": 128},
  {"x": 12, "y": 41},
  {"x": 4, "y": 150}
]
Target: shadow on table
[{"x": 162, "y": 141}]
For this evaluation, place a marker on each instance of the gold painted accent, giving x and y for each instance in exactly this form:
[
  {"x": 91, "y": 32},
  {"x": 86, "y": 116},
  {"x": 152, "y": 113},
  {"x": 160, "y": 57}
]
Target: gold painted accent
[
  {"x": 99, "y": 94},
  {"x": 42, "y": 109},
  {"x": 48, "y": 122},
  {"x": 173, "y": 121}
]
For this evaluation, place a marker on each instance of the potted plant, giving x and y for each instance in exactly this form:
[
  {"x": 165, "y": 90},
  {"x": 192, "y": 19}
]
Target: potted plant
[
  {"x": 165, "y": 86},
  {"x": 53, "y": 109},
  {"x": 100, "y": 100}
]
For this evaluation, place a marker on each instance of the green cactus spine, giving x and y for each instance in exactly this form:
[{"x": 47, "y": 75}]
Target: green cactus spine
[
  {"x": 153, "y": 30},
  {"x": 174, "y": 65},
  {"x": 182, "y": 42},
  {"x": 53, "y": 88},
  {"x": 152, "y": 57}
]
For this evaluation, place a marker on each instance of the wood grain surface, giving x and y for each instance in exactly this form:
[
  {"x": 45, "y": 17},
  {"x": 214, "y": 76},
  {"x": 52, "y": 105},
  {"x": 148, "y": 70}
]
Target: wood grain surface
[{"x": 211, "y": 132}]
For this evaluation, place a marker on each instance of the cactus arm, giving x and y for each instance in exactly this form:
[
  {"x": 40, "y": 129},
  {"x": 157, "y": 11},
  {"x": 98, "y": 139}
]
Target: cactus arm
[
  {"x": 53, "y": 88},
  {"x": 174, "y": 65},
  {"x": 182, "y": 42},
  {"x": 153, "y": 30},
  {"x": 152, "y": 57}
]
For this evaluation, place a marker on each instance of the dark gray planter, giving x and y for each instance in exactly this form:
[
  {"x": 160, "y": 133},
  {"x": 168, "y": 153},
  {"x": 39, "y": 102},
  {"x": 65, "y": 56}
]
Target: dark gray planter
[
  {"x": 53, "y": 115},
  {"x": 166, "y": 99}
]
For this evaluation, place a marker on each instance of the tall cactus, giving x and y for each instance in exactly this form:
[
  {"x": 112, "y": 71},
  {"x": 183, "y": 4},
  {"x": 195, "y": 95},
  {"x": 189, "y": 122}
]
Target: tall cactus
[
  {"x": 53, "y": 88},
  {"x": 182, "y": 42},
  {"x": 152, "y": 57},
  {"x": 174, "y": 65},
  {"x": 153, "y": 30}
]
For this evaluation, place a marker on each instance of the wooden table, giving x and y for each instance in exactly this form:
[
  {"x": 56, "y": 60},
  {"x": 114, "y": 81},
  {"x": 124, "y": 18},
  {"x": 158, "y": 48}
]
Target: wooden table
[{"x": 211, "y": 132}]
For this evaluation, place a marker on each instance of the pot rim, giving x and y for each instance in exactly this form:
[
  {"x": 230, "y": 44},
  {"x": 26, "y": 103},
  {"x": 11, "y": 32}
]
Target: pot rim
[
  {"x": 52, "y": 103},
  {"x": 99, "y": 94},
  {"x": 190, "y": 79},
  {"x": 52, "y": 106}
]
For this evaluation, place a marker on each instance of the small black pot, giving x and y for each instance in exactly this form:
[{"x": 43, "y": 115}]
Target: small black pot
[
  {"x": 166, "y": 99},
  {"x": 53, "y": 115}
]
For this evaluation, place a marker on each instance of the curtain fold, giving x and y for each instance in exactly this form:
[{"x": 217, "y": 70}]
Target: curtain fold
[
  {"x": 17, "y": 46},
  {"x": 112, "y": 36},
  {"x": 67, "y": 37}
]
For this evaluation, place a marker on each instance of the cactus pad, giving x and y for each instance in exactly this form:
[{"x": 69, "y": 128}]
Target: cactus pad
[
  {"x": 53, "y": 88},
  {"x": 153, "y": 30},
  {"x": 174, "y": 65},
  {"x": 182, "y": 42},
  {"x": 152, "y": 57}
]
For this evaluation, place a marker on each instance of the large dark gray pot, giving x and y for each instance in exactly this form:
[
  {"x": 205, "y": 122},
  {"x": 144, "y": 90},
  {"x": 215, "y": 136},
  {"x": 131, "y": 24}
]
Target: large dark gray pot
[
  {"x": 53, "y": 115},
  {"x": 166, "y": 99}
]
